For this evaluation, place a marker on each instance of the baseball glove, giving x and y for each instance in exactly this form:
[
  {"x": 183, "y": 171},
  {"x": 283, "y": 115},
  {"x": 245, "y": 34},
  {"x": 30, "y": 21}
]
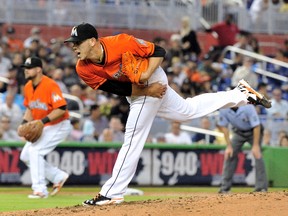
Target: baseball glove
[
  {"x": 133, "y": 66},
  {"x": 31, "y": 131}
]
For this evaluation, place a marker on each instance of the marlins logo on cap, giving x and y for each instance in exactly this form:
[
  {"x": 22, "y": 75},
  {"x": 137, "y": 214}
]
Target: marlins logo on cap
[
  {"x": 32, "y": 62},
  {"x": 74, "y": 32},
  {"x": 82, "y": 32},
  {"x": 28, "y": 61}
]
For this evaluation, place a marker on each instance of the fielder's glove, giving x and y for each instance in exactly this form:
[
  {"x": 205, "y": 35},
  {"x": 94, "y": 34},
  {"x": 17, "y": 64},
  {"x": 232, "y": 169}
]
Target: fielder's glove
[
  {"x": 133, "y": 66},
  {"x": 31, "y": 131}
]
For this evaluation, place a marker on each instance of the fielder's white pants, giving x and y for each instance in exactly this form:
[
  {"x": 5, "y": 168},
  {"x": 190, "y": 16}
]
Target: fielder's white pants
[
  {"x": 33, "y": 155},
  {"x": 142, "y": 113}
]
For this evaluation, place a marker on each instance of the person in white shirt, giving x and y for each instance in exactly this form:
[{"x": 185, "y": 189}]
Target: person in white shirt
[
  {"x": 176, "y": 136},
  {"x": 179, "y": 74},
  {"x": 5, "y": 64},
  {"x": 256, "y": 10},
  {"x": 7, "y": 133},
  {"x": 114, "y": 133},
  {"x": 95, "y": 123},
  {"x": 246, "y": 72},
  {"x": 12, "y": 110},
  {"x": 279, "y": 107}
]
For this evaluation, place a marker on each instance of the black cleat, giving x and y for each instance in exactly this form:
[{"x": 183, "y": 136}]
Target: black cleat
[
  {"x": 260, "y": 190},
  {"x": 102, "y": 200}
]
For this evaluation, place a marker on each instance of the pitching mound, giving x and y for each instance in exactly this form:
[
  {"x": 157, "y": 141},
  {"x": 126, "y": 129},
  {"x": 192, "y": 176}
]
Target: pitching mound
[{"x": 256, "y": 204}]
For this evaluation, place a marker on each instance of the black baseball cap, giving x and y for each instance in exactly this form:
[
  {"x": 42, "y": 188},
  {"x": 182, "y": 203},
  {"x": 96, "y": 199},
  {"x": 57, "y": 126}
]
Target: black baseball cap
[
  {"x": 94, "y": 107},
  {"x": 32, "y": 62},
  {"x": 82, "y": 32}
]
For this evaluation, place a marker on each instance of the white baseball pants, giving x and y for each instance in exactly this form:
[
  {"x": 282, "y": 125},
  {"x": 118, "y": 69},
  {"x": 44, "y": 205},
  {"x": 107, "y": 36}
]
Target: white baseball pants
[
  {"x": 142, "y": 113},
  {"x": 33, "y": 155}
]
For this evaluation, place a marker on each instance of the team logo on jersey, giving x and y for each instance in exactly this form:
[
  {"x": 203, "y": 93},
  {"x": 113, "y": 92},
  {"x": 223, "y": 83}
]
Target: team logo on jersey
[
  {"x": 74, "y": 31},
  {"x": 56, "y": 97},
  {"x": 37, "y": 104},
  {"x": 119, "y": 73}
]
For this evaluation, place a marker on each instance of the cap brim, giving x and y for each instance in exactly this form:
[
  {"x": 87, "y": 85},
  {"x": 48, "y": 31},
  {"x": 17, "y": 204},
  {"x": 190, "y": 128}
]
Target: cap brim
[
  {"x": 72, "y": 39},
  {"x": 27, "y": 66}
]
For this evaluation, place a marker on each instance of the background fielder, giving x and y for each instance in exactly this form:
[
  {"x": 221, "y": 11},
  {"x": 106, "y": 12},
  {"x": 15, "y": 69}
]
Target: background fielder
[{"x": 45, "y": 104}]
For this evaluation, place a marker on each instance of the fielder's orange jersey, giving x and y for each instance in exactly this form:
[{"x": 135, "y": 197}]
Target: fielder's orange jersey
[
  {"x": 95, "y": 75},
  {"x": 42, "y": 100}
]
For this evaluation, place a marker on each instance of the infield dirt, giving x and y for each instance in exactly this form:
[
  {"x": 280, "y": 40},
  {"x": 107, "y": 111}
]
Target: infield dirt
[{"x": 238, "y": 204}]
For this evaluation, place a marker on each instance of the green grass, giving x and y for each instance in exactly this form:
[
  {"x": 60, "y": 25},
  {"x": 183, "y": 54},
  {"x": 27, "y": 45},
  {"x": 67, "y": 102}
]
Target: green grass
[{"x": 15, "y": 198}]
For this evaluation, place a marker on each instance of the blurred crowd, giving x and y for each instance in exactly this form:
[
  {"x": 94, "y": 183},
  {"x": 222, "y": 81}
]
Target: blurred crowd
[{"x": 190, "y": 72}]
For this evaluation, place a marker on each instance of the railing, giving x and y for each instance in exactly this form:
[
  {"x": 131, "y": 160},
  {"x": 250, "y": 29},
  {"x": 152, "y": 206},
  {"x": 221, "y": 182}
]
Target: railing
[
  {"x": 153, "y": 14},
  {"x": 201, "y": 130},
  {"x": 74, "y": 114},
  {"x": 260, "y": 58},
  {"x": 4, "y": 80}
]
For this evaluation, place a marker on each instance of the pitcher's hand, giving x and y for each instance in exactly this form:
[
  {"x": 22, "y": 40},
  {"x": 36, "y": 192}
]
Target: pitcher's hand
[{"x": 157, "y": 90}]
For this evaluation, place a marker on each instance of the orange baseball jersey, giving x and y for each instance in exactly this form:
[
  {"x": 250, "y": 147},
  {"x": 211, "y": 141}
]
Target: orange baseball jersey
[
  {"x": 42, "y": 100},
  {"x": 95, "y": 75}
]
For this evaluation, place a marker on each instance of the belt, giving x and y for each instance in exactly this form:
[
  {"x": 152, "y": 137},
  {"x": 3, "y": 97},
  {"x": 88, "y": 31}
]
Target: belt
[{"x": 242, "y": 131}]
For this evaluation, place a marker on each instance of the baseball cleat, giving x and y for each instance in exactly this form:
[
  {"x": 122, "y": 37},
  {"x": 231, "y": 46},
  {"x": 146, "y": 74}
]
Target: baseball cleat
[
  {"x": 102, "y": 200},
  {"x": 260, "y": 190},
  {"x": 221, "y": 191},
  {"x": 57, "y": 187},
  {"x": 252, "y": 95},
  {"x": 38, "y": 195}
]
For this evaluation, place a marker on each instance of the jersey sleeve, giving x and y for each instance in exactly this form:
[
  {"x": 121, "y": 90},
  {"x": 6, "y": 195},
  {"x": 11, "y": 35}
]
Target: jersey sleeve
[
  {"x": 222, "y": 119},
  {"x": 253, "y": 116},
  {"x": 216, "y": 27}
]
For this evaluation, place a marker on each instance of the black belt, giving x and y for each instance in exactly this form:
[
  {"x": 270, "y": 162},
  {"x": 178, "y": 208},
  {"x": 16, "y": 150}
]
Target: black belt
[{"x": 242, "y": 131}]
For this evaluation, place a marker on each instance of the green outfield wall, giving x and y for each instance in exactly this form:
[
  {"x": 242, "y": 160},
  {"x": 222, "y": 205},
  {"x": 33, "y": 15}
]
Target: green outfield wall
[
  {"x": 159, "y": 164},
  {"x": 276, "y": 161}
]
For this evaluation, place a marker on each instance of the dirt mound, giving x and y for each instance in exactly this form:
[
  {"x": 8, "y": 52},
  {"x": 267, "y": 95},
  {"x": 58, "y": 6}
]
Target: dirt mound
[{"x": 256, "y": 204}]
